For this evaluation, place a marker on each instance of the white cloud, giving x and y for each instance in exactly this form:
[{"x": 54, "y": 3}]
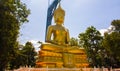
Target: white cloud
[
  {"x": 102, "y": 31},
  {"x": 110, "y": 27}
]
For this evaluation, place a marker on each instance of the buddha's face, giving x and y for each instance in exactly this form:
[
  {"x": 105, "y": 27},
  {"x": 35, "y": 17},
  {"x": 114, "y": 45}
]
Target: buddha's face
[{"x": 59, "y": 19}]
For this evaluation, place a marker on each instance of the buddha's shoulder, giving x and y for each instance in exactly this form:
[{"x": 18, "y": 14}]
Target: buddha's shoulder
[
  {"x": 65, "y": 29},
  {"x": 51, "y": 26},
  {"x": 54, "y": 27}
]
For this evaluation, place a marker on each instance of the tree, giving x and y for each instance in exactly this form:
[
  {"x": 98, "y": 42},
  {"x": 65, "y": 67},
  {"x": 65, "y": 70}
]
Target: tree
[
  {"x": 25, "y": 55},
  {"x": 111, "y": 43},
  {"x": 18, "y": 60},
  {"x": 91, "y": 40},
  {"x": 12, "y": 14},
  {"x": 116, "y": 25},
  {"x": 30, "y": 54}
]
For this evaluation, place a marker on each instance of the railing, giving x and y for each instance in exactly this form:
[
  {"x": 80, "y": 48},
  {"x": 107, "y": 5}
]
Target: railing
[{"x": 66, "y": 69}]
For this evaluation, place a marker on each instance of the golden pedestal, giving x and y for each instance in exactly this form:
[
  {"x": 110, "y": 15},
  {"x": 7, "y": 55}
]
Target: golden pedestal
[{"x": 54, "y": 56}]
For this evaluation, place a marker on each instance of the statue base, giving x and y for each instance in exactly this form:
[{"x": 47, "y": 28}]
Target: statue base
[{"x": 56, "y": 56}]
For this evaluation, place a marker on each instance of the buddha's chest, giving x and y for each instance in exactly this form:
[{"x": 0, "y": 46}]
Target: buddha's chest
[{"x": 59, "y": 33}]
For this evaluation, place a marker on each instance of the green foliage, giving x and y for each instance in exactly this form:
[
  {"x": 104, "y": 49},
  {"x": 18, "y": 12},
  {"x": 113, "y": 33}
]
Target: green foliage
[
  {"x": 15, "y": 8},
  {"x": 102, "y": 51},
  {"x": 25, "y": 56},
  {"x": 74, "y": 42},
  {"x": 111, "y": 43},
  {"x": 116, "y": 25},
  {"x": 12, "y": 14},
  {"x": 30, "y": 54},
  {"x": 91, "y": 41},
  {"x": 18, "y": 59}
]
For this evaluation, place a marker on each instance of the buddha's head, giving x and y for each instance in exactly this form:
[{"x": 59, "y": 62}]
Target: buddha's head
[{"x": 59, "y": 14}]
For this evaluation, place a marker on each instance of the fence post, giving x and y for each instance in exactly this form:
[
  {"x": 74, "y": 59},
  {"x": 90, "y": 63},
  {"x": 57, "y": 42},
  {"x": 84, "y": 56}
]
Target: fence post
[
  {"x": 47, "y": 68},
  {"x": 111, "y": 68}
]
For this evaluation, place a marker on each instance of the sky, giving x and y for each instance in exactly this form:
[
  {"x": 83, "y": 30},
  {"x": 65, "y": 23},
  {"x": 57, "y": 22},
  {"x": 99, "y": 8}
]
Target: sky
[{"x": 80, "y": 14}]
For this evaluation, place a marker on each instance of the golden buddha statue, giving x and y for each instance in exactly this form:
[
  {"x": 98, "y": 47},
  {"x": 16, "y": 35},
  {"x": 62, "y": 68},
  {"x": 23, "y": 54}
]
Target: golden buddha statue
[
  {"x": 57, "y": 52},
  {"x": 59, "y": 32}
]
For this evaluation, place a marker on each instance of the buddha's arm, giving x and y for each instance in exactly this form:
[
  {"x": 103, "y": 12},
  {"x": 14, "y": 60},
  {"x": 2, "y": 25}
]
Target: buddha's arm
[
  {"x": 49, "y": 33},
  {"x": 68, "y": 37}
]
